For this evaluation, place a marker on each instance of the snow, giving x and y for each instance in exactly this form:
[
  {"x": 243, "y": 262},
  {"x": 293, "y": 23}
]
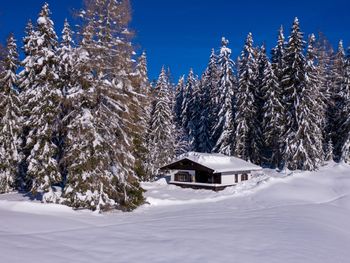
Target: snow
[
  {"x": 303, "y": 217},
  {"x": 41, "y": 20},
  {"x": 220, "y": 163}
]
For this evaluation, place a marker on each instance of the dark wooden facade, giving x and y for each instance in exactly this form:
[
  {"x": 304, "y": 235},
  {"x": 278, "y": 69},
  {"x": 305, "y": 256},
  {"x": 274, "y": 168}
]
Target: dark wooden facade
[{"x": 203, "y": 174}]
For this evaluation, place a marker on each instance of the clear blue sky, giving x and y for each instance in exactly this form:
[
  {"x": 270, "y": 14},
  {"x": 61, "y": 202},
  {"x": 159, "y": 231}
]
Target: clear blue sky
[{"x": 181, "y": 33}]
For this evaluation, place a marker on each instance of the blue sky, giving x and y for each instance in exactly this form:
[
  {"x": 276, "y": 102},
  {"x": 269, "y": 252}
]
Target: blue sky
[{"x": 181, "y": 33}]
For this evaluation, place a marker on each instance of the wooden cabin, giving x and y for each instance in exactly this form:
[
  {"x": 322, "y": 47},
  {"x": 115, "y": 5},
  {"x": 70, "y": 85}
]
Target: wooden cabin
[{"x": 209, "y": 171}]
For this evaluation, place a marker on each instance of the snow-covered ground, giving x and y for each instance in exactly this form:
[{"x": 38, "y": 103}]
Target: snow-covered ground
[{"x": 300, "y": 218}]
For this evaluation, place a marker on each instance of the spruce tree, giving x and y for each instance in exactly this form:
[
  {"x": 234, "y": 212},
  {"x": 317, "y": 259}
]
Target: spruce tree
[
  {"x": 42, "y": 104},
  {"x": 186, "y": 108},
  {"x": 278, "y": 56},
  {"x": 223, "y": 129},
  {"x": 336, "y": 113},
  {"x": 329, "y": 156},
  {"x": 182, "y": 143},
  {"x": 324, "y": 52},
  {"x": 9, "y": 120},
  {"x": 273, "y": 111},
  {"x": 141, "y": 116},
  {"x": 103, "y": 177},
  {"x": 257, "y": 143},
  {"x": 204, "y": 125},
  {"x": 66, "y": 57},
  {"x": 162, "y": 135},
  {"x": 345, "y": 111},
  {"x": 179, "y": 97},
  {"x": 303, "y": 138},
  {"x": 309, "y": 153},
  {"x": 210, "y": 82},
  {"x": 292, "y": 84},
  {"x": 142, "y": 73},
  {"x": 246, "y": 108}
]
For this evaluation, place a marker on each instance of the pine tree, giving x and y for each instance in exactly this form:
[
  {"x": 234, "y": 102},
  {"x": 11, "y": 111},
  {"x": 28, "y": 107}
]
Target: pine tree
[
  {"x": 246, "y": 107},
  {"x": 310, "y": 116},
  {"x": 179, "y": 97},
  {"x": 195, "y": 113},
  {"x": 273, "y": 111},
  {"x": 303, "y": 141},
  {"x": 42, "y": 105},
  {"x": 210, "y": 81},
  {"x": 142, "y": 111},
  {"x": 257, "y": 144},
  {"x": 329, "y": 156},
  {"x": 204, "y": 114},
  {"x": 162, "y": 135},
  {"x": 338, "y": 76},
  {"x": 9, "y": 120},
  {"x": 345, "y": 111},
  {"x": 187, "y": 112},
  {"x": 223, "y": 129},
  {"x": 27, "y": 75},
  {"x": 142, "y": 73},
  {"x": 292, "y": 84},
  {"x": 99, "y": 154},
  {"x": 324, "y": 53},
  {"x": 66, "y": 57},
  {"x": 278, "y": 56}
]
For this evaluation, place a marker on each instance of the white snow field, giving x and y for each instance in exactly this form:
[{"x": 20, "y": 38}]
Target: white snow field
[{"x": 299, "y": 218}]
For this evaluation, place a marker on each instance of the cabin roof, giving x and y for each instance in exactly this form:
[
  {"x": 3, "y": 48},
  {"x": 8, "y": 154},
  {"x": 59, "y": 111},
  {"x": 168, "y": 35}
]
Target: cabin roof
[{"x": 217, "y": 162}]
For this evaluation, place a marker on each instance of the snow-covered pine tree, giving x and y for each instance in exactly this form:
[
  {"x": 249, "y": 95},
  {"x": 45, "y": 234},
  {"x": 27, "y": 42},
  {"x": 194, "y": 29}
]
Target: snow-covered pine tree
[
  {"x": 99, "y": 154},
  {"x": 303, "y": 141},
  {"x": 27, "y": 75},
  {"x": 66, "y": 61},
  {"x": 182, "y": 144},
  {"x": 257, "y": 145},
  {"x": 345, "y": 111},
  {"x": 195, "y": 113},
  {"x": 223, "y": 128},
  {"x": 2, "y": 57},
  {"x": 245, "y": 100},
  {"x": 203, "y": 125},
  {"x": 324, "y": 53},
  {"x": 329, "y": 156},
  {"x": 338, "y": 80},
  {"x": 142, "y": 111},
  {"x": 179, "y": 96},
  {"x": 211, "y": 81},
  {"x": 66, "y": 57},
  {"x": 273, "y": 117},
  {"x": 187, "y": 107},
  {"x": 9, "y": 120},
  {"x": 25, "y": 81},
  {"x": 162, "y": 129},
  {"x": 310, "y": 115},
  {"x": 142, "y": 73},
  {"x": 278, "y": 56},
  {"x": 293, "y": 81},
  {"x": 42, "y": 106}
]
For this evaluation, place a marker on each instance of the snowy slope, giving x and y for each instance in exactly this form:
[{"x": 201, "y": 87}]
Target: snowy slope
[{"x": 299, "y": 218}]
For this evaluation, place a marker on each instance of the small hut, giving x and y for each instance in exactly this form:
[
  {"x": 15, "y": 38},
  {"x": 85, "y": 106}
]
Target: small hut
[{"x": 209, "y": 170}]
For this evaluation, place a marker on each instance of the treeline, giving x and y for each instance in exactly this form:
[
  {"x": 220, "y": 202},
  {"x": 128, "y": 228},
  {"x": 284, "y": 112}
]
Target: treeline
[
  {"x": 287, "y": 110},
  {"x": 72, "y": 111}
]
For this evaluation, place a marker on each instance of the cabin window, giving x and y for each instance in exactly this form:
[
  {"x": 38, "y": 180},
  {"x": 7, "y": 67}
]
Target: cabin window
[
  {"x": 183, "y": 177},
  {"x": 244, "y": 177}
]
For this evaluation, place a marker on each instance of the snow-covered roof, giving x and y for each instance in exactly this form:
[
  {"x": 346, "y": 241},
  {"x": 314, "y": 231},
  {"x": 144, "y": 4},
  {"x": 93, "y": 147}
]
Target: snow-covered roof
[{"x": 220, "y": 163}]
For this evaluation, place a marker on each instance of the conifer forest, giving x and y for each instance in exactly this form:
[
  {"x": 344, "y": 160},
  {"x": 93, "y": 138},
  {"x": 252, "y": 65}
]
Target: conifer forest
[{"x": 81, "y": 123}]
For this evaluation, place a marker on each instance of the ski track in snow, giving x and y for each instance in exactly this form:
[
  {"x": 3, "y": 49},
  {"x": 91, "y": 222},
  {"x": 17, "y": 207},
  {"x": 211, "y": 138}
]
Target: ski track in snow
[{"x": 298, "y": 218}]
